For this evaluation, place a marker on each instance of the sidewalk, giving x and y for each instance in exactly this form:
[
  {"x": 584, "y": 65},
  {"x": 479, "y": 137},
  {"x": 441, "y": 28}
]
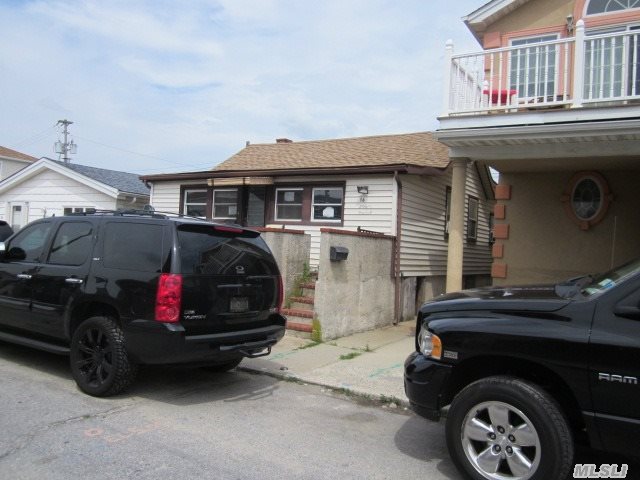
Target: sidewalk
[{"x": 368, "y": 364}]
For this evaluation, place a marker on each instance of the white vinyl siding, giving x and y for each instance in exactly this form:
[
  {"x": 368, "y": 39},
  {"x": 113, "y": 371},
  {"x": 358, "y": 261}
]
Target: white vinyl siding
[
  {"x": 9, "y": 167},
  {"x": 48, "y": 192},
  {"x": 477, "y": 256},
  {"x": 423, "y": 246},
  {"x": 376, "y": 213},
  {"x": 165, "y": 196}
]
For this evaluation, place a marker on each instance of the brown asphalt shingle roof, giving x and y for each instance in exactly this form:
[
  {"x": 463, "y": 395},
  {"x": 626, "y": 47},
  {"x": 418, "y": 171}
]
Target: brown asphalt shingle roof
[
  {"x": 415, "y": 149},
  {"x": 8, "y": 153}
]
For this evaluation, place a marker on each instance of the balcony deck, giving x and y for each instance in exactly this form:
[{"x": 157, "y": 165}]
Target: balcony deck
[{"x": 584, "y": 77}]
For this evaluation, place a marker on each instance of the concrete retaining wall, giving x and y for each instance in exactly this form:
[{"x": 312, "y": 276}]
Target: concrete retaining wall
[
  {"x": 291, "y": 250},
  {"x": 356, "y": 294}
]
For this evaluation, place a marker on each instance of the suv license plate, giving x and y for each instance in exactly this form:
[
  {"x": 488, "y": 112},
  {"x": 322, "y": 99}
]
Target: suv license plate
[{"x": 239, "y": 304}]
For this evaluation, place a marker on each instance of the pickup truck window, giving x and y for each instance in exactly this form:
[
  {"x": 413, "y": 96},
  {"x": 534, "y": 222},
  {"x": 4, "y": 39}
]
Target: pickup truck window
[{"x": 612, "y": 278}]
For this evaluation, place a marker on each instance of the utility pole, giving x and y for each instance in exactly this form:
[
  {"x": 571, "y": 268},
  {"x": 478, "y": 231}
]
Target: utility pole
[{"x": 66, "y": 147}]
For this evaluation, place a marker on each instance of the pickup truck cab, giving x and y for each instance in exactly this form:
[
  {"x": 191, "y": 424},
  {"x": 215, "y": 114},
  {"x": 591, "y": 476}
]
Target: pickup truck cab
[{"x": 527, "y": 371}]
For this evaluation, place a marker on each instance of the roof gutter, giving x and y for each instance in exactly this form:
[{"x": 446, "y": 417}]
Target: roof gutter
[{"x": 292, "y": 172}]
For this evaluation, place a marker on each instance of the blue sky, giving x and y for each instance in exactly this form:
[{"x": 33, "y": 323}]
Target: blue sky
[{"x": 162, "y": 86}]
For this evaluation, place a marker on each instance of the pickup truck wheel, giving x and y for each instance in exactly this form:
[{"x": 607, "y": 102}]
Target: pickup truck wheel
[
  {"x": 99, "y": 361},
  {"x": 506, "y": 428}
]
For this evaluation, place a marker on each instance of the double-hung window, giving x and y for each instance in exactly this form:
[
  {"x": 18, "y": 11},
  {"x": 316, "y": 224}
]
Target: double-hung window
[
  {"x": 225, "y": 204},
  {"x": 447, "y": 211},
  {"x": 326, "y": 204},
  {"x": 472, "y": 219},
  {"x": 532, "y": 67},
  {"x": 195, "y": 203},
  {"x": 289, "y": 204},
  {"x": 611, "y": 63}
]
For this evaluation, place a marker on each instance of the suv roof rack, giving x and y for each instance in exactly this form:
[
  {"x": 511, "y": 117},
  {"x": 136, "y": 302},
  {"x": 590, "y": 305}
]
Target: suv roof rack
[
  {"x": 147, "y": 212},
  {"x": 118, "y": 212}
]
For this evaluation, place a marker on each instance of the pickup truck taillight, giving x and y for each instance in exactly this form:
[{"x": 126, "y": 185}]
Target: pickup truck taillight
[{"x": 169, "y": 298}]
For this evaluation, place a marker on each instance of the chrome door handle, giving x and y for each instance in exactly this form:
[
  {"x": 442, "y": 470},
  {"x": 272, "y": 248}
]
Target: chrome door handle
[
  {"x": 24, "y": 276},
  {"x": 73, "y": 280}
]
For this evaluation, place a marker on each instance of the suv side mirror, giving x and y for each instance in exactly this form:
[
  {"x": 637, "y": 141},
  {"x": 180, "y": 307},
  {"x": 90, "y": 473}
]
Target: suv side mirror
[{"x": 14, "y": 253}]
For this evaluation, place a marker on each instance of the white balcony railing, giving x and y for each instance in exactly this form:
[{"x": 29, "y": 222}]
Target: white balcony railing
[{"x": 571, "y": 72}]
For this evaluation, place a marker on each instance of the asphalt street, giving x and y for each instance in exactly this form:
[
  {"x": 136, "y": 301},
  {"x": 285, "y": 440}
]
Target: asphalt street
[{"x": 189, "y": 423}]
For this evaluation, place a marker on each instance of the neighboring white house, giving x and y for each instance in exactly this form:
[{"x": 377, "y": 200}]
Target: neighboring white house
[
  {"x": 12, "y": 161},
  {"x": 48, "y": 187}
]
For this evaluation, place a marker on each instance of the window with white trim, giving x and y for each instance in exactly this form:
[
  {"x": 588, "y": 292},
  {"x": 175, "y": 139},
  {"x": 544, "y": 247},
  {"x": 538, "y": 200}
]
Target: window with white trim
[
  {"x": 447, "y": 211},
  {"x": 326, "y": 204},
  {"x": 70, "y": 210},
  {"x": 611, "y": 63},
  {"x": 606, "y": 6},
  {"x": 532, "y": 67},
  {"x": 225, "y": 204},
  {"x": 195, "y": 203},
  {"x": 472, "y": 219},
  {"x": 289, "y": 204}
]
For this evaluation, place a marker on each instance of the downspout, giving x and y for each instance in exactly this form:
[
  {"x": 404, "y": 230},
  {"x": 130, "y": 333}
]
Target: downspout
[{"x": 396, "y": 253}]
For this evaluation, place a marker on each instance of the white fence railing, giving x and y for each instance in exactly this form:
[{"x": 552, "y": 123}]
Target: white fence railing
[{"x": 553, "y": 73}]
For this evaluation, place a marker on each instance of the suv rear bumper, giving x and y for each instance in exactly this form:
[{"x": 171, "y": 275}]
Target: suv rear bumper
[
  {"x": 151, "y": 342},
  {"x": 425, "y": 382}
]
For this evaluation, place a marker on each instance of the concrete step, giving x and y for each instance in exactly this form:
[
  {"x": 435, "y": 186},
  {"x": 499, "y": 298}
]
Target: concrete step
[
  {"x": 301, "y": 303},
  {"x": 308, "y": 289},
  {"x": 308, "y": 285},
  {"x": 298, "y": 326},
  {"x": 295, "y": 312}
]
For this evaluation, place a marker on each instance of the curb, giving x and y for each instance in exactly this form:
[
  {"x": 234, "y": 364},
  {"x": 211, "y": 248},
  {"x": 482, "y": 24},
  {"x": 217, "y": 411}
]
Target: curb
[{"x": 290, "y": 377}]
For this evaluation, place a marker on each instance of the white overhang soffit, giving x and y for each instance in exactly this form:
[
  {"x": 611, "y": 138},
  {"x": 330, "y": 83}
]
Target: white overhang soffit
[
  {"x": 490, "y": 12},
  {"x": 239, "y": 181}
]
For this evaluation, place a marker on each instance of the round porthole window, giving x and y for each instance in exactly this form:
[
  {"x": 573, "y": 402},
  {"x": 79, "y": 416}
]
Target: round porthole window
[{"x": 587, "y": 198}]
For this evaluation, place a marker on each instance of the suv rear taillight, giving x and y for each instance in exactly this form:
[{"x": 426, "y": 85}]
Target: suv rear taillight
[
  {"x": 169, "y": 298},
  {"x": 280, "y": 300}
]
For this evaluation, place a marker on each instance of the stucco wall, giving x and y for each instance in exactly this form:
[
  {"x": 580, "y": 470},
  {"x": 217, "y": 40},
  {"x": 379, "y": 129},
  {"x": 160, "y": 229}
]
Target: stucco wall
[
  {"x": 545, "y": 245},
  {"x": 356, "y": 294},
  {"x": 532, "y": 16},
  {"x": 291, "y": 251}
]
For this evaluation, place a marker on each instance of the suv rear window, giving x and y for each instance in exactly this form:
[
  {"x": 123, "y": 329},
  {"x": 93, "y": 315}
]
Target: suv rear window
[
  {"x": 207, "y": 251},
  {"x": 133, "y": 246}
]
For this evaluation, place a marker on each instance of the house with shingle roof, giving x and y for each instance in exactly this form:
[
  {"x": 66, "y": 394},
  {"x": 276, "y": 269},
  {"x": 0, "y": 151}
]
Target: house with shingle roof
[
  {"x": 396, "y": 185},
  {"x": 48, "y": 187},
  {"x": 11, "y": 161}
]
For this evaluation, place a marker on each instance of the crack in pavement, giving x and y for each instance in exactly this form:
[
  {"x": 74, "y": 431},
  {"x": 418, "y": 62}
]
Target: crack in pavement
[{"x": 25, "y": 439}]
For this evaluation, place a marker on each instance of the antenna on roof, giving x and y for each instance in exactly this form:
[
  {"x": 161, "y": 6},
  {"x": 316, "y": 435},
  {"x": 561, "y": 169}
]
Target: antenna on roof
[{"x": 65, "y": 148}]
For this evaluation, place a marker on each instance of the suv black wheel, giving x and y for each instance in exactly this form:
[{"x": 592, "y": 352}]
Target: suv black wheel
[
  {"x": 99, "y": 362},
  {"x": 502, "y": 428}
]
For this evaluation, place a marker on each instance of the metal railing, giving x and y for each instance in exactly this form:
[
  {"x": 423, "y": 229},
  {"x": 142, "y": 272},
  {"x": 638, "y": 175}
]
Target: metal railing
[{"x": 569, "y": 72}]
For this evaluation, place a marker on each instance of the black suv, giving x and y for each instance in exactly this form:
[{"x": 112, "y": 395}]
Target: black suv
[
  {"x": 528, "y": 371},
  {"x": 118, "y": 289}
]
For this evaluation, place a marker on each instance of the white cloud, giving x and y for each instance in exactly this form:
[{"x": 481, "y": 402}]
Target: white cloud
[{"x": 190, "y": 82}]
